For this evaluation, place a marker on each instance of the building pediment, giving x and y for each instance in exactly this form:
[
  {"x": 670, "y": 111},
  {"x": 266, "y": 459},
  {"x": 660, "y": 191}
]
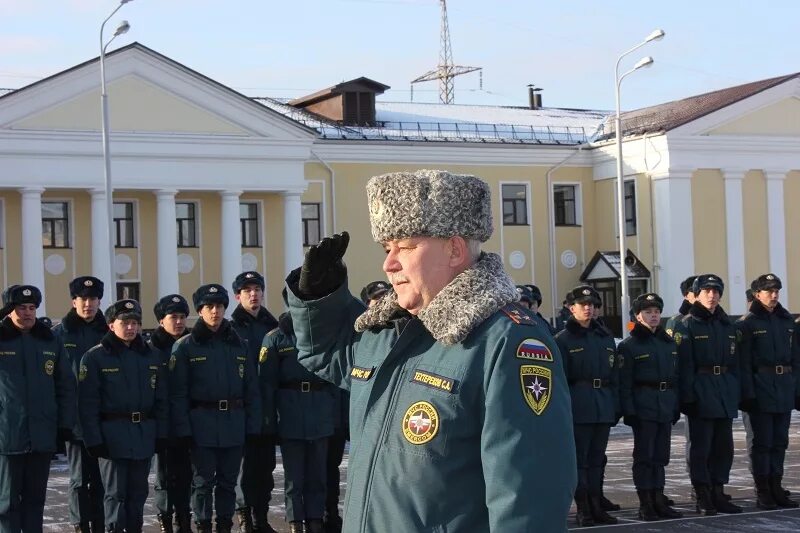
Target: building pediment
[{"x": 781, "y": 119}]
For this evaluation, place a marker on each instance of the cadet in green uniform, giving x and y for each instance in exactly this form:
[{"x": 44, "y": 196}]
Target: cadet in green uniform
[
  {"x": 769, "y": 386},
  {"x": 80, "y": 329},
  {"x": 709, "y": 392},
  {"x": 373, "y": 292},
  {"x": 590, "y": 365},
  {"x": 122, "y": 404},
  {"x": 459, "y": 410},
  {"x": 305, "y": 414},
  {"x": 648, "y": 383},
  {"x": 38, "y": 408},
  {"x": 215, "y": 406},
  {"x": 252, "y": 322},
  {"x": 173, "y": 465},
  {"x": 531, "y": 297},
  {"x": 686, "y": 304}
]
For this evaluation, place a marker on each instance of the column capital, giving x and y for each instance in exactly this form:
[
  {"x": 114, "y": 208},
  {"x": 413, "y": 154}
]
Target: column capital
[
  {"x": 230, "y": 194},
  {"x": 775, "y": 174},
  {"x": 733, "y": 173},
  {"x": 31, "y": 190},
  {"x": 97, "y": 192},
  {"x": 672, "y": 174},
  {"x": 167, "y": 193},
  {"x": 292, "y": 193}
]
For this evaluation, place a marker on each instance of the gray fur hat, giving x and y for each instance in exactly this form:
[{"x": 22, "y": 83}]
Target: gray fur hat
[{"x": 429, "y": 203}]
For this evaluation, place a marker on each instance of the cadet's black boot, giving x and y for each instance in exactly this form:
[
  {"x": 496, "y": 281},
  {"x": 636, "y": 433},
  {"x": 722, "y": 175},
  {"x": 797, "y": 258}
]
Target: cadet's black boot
[
  {"x": 296, "y": 527},
  {"x": 333, "y": 522},
  {"x": 98, "y": 527},
  {"x": 224, "y": 525},
  {"x": 647, "y": 511},
  {"x": 315, "y": 526},
  {"x": 583, "y": 515},
  {"x": 778, "y": 493},
  {"x": 764, "y": 499},
  {"x": 704, "y": 501},
  {"x": 203, "y": 526},
  {"x": 598, "y": 514},
  {"x": 83, "y": 527},
  {"x": 261, "y": 524},
  {"x": 660, "y": 497},
  {"x": 607, "y": 504},
  {"x": 165, "y": 522},
  {"x": 663, "y": 509},
  {"x": 245, "y": 519},
  {"x": 183, "y": 522},
  {"x": 722, "y": 504}
]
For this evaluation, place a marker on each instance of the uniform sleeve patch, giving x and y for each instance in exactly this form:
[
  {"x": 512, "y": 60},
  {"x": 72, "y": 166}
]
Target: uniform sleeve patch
[
  {"x": 435, "y": 381},
  {"x": 537, "y": 383},
  {"x": 678, "y": 337},
  {"x": 361, "y": 374},
  {"x": 172, "y": 362},
  {"x": 518, "y": 315},
  {"x": 534, "y": 349},
  {"x": 262, "y": 355},
  {"x": 82, "y": 373}
]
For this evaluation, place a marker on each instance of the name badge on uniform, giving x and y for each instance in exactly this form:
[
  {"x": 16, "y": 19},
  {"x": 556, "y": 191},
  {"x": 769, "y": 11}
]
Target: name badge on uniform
[
  {"x": 361, "y": 374},
  {"x": 435, "y": 381}
]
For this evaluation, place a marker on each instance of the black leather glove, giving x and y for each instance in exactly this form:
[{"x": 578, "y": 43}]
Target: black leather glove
[
  {"x": 689, "y": 409},
  {"x": 64, "y": 435},
  {"x": 101, "y": 450},
  {"x": 323, "y": 270},
  {"x": 161, "y": 445},
  {"x": 630, "y": 420},
  {"x": 748, "y": 405}
]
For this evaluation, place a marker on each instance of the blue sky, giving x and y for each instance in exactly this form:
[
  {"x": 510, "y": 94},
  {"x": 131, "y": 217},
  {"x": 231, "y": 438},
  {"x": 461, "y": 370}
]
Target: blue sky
[{"x": 291, "y": 48}]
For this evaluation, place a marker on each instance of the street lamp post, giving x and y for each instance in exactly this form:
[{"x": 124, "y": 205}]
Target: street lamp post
[
  {"x": 623, "y": 272},
  {"x": 122, "y": 28}
]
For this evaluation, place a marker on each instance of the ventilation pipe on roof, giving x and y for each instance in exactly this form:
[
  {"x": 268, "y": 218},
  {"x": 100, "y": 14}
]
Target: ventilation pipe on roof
[{"x": 534, "y": 98}]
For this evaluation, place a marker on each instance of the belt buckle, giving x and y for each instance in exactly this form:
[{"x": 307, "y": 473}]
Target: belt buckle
[
  {"x": 717, "y": 370},
  {"x": 662, "y": 386},
  {"x": 222, "y": 405},
  {"x": 597, "y": 383},
  {"x": 305, "y": 386},
  {"x": 136, "y": 417},
  {"x": 779, "y": 369}
]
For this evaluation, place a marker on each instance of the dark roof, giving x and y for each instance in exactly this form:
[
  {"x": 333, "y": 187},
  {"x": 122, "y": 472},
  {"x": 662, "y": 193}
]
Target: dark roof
[
  {"x": 664, "y": 117},
  {"x": 362, "y": 84},
  {"x": 634, "y": 270}
]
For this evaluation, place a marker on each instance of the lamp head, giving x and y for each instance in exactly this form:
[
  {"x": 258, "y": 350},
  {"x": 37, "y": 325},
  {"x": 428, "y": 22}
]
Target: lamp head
[
  {"x": 123, "y": 2},
  {"x": 655, "y": 36},
  {"x": 123, "y": 27},
  {"x": 643, "y": 62}
]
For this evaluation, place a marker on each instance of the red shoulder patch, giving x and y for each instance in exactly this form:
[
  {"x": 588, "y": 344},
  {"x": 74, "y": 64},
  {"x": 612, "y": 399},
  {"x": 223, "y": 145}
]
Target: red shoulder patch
[{"x": 518, "y": 314}]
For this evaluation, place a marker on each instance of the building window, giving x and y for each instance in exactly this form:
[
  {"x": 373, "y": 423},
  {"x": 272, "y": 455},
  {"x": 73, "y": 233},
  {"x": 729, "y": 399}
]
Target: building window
[
  {"x": 123, "y": 224},
  {"x": 248, "y": 215},
  {"x": 128, "y": 291},
  {"x": 312, "y": 227},
  {"x": 187, "y": 224},
  {"x": 630, "y": 207},
  {"x": 55, "y": 224},
  {"x": 566, "y": 213},
  {"x": 515, "y": 209}
]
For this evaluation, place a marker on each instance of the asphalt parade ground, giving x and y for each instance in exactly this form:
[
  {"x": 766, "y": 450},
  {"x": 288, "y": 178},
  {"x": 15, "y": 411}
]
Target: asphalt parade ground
[{"x": 618, "y": 487}]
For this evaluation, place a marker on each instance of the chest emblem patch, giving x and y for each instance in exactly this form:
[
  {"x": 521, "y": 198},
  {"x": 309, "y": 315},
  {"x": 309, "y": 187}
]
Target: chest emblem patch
[
  {"x": 241, "y": 371},
  {"x": 153, "y": 381},
  {"x": 678, "y": 338},
  {"x": 262, "y": 355},
  {"x": 49, "y": 367},
  {"x": 82, "y": 373},
  {"x": 172, "y": 360},
  {"x": 534, "y": 349},
  {"x": 420, "y": 423},
  {"x": 537, "y": 383}
]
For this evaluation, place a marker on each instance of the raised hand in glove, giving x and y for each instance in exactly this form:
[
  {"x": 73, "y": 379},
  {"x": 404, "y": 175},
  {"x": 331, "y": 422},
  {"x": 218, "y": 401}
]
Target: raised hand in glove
[
  {"x": 101, "y": 450},
  {"x": 323, "y": 270}
]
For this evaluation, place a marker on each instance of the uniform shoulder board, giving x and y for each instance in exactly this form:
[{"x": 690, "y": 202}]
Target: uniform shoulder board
[
  {"x": 273, "y": 331},
  {"x": 518, "y": 314}
]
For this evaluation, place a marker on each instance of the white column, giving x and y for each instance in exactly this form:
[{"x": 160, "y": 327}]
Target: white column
[
  {"x": 32, "y": 251},
  {"x": 736, "y": 283},
  {"x": 776, "y": 223},
  {"x": 167, "y": 242},
  {"x": 100, "y": 254},
  {"x": 292, "y": 231},
  {"x": 231, "y": 248},
  {"x": 674, "y": 234}
]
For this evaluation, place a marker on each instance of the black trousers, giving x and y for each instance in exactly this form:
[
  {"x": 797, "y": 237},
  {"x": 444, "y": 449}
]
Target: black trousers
[
  {"x": 336, "y": 445},
  {"x": 85, "y": 491},
  {"x": 711, "y": 452},
  {"x": 770, "y": 440},
  {"x": 173, "y": 486},
  {"x": 23, "y": 486},
  {"x": 651, "y": 446},
  {"x": 590, "y": 448},
  {"x": 256, "y": 481}
]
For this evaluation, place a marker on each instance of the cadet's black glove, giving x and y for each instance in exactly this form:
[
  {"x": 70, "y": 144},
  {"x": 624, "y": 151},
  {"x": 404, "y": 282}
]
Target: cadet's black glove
[
  {"x": 748, "y": 405},
  {"x": 64, "y": 435},
  {"x": 101, "y": 450},
  {"x": 689, "y": 409},
  {"x": 630, "y": 420},
  {"x": 161, "y": 445},
  {"x": 323, "y": 270}
]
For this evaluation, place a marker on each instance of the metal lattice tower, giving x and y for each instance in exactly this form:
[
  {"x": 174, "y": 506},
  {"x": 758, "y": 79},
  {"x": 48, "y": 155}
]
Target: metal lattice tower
[{"x": 446, "y": 71}]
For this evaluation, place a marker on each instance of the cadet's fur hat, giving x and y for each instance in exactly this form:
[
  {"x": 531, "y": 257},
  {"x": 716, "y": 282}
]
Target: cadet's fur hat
[
  {"x": 122, "y": 310},
  {"x": 536, "y": 294},
  {"x": 582, "y": 294},
  {"x": 169, "y": 304},
  {"x": 374, "y": 290},
  {"x": 708, "y": 281},
  {"x": 686, "y": 285},
  {"x": 22, "y": 294},
  {"x": 86, "y": 287},
  {"x": 647, "y": 300},
  {"x": 213, "y": 293},
  {"x": 432, "y": 203},
  {"x": 525, "y": 294},
  {"x": 766, "y": 282},
  {"x": 247, "y": 278}
]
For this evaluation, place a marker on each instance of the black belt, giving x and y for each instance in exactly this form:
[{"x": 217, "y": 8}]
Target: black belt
[
  {"x": 777, "y": 369},
  {"x": 716, "y": 369},
  {"x": 660, "y": 385},
  {"x": 303, "y": 386},
  {"x": 219, "y": 405},
  {"x": 134, "y": 417},
  {"x": 595, "y": 383}
]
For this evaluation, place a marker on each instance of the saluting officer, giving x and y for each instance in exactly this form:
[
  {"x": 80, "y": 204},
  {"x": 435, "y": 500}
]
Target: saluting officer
[
  {"x": 252, "y": 322},
  {"x": 305, "y": 411},
  {"x": 648, "y": 366},
  {"x": 709, "y": 393},
  {"x": 173, "y": 465},
  {"x": 215, "y": 406},
  {"x": 686, "y": 304},
  {"x": 769, "y": 386},
  {"x": 38, "y": 408},
  {"x": 591, "y": 369},
  {"x": 82, "y": 328},
  {"x": 122, "y": 404}
]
